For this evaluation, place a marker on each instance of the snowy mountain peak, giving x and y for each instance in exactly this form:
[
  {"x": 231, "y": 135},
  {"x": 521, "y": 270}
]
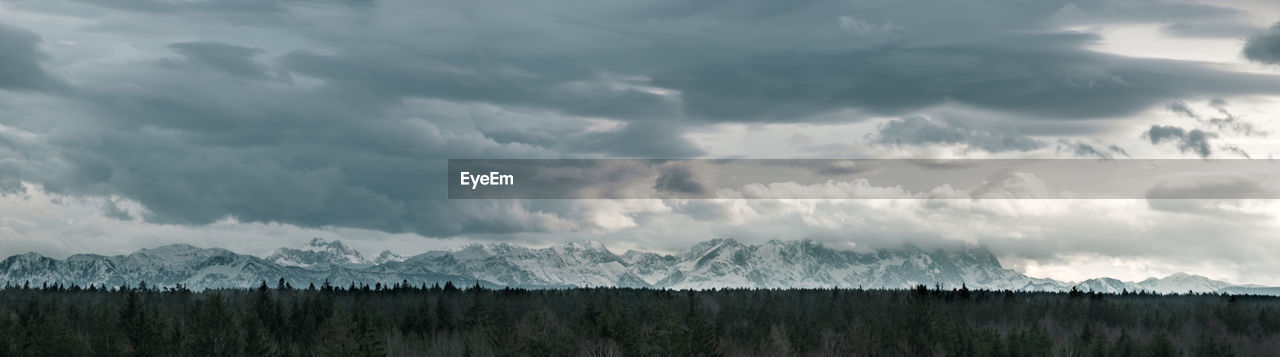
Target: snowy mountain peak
[
  {"x": 336, "y": 246},
  {"x": 319, "y": 253},
  {"x": 387, "y": 256},
  {"x": 589, "y": 245}
]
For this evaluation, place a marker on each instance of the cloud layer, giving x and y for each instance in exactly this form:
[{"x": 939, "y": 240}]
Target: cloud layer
[{"x": 340, "y": 115}]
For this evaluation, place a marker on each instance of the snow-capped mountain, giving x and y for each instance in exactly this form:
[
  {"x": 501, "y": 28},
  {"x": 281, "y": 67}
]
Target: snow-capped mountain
[
  {"x": 1104, "y": 285},
  {"x": 574, "y": 264},
  {"x": 719, "y": 263},
  {"x": 1180, "y": 283},
  {"x": 196, "y": 268},
  {"x": 806, "y": 264},
  {"x": 321, "y": 254},
  {"x": 1174, "y": 283},
  {"x": 387, "y": 257}
]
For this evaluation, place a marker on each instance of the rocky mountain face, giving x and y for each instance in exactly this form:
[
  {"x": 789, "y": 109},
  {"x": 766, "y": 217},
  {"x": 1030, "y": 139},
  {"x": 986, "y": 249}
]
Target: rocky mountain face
[{"x": 719, "y": 263}]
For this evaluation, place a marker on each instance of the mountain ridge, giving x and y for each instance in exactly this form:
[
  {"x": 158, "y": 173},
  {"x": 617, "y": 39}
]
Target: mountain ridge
[{"x": 716, "y": 263}]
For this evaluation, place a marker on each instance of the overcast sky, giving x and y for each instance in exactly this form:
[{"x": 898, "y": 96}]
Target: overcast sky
[{"x": 255, "y": 124}]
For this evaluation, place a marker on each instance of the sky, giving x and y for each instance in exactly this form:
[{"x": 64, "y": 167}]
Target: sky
[{"x": 251, "y": 125}]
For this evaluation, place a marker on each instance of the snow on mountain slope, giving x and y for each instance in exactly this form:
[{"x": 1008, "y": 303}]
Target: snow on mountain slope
[
  {"x": 807, "y": 264},
  {"x": 575, "y": 264},
  {"x": 387, "y": 256},
  {"x": 1174, "y": 283},
  {"x": 320, "y": 254},
  {"x": 1180, "y": 283},
  {"x": 1104, "y": 285},
  {"x": 719, "y": 263},
  {"x": 197, "y": 268}
]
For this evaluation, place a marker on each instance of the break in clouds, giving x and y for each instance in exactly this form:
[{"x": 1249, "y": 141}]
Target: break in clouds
[{"x": 339, "y": 115}]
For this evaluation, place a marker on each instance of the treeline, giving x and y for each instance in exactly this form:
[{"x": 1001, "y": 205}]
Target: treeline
[{"x": 404, "y": 319}]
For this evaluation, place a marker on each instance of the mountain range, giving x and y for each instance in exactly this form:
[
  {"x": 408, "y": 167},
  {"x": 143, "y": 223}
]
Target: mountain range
[{"x": 718, "y": 263}]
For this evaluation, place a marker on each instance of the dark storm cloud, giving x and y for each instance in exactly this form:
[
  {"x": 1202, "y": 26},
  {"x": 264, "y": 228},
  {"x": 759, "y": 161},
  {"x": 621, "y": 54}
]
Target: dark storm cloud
[
  {"x": 1041, "y": 75},
  {"x": 1264, "y": 47},
  {"x": 1195, "y": 140},
  {"x": 348, "y": 141},
  {"x": 20, "y": 61},
  {"x": 916, "y": 131}
]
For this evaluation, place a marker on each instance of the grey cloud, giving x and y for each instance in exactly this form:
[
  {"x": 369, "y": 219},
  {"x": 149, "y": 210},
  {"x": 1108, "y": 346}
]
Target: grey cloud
[
  {"x": 20, "y": 67},
  {"x": 112, "y": 209},
  {"x": 1264, "y": 47},
  {"x": 1042, "y": 75},
  {"x": 1226, "y": 121},
  {"x": 1145, "y": 11},
  {"x": 917, "y": 131},
  {"x": 1010, "y": 184},
  {"x": 1203, "y": 207},
  {"x": 1232, "y": 122},
  {"x": 1213, "y": 186},
  {"x": 829, "y": 167},
  {"x": 196, "y": 149},
  {"x": 680, "y": 179},
  {"x": 1195, "y": 140},
  {"x": 198, "y": 6},
  {"x": 1088, "y": 150},
  {"x": 638, "y": 139},
  {"x": 227, "y": 58},
  {"x": 563, "y": 85},
  {"x": 1235, "y": 149},
  {"x": 1211, "y": 29},
  {"x": 345, "y": 145},
  {"x": 1182, "y": 109}
]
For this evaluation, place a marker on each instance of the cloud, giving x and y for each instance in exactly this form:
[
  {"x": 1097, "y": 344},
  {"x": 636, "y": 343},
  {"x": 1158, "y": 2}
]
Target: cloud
[
  {"x": 1264, "y": 47},
  {"x": 1225, "y": 185},
  {"x": 342, "y": 114},
  {"x": 1182, "y": 109},
  {"x": 680, "y": 179},
  {"x": 1087, "y": 150},
  {"x": 230, "y": 59},
  {"x": 1227, "y": 121},
  {"x": 1235, "y": 149},
  {"x": 20, "y": 67},
  {"x": 1210, "y": 29},
  {"x": 112, "y": 209},
  {"x": 1042, "y": 75},
  {"x": 918, "y": 131},
  {"x": 1195, "y": 140}
]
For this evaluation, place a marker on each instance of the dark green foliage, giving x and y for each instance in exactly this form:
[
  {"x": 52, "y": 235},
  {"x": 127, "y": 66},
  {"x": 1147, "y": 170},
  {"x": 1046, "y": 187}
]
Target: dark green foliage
[{"x": 401, "y": 319}]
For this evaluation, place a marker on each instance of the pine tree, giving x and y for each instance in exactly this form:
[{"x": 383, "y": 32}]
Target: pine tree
[{"x": 140, "y": 327}]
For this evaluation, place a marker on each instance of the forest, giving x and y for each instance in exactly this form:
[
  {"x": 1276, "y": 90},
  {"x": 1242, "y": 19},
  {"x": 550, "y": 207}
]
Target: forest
[{"x": 402, "y": 319}]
